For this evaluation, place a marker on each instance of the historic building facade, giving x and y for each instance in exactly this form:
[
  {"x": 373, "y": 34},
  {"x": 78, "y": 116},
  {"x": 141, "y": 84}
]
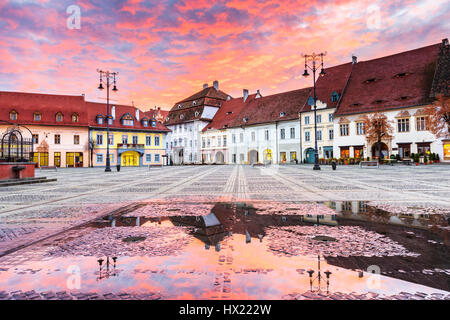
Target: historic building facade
[
  {"x": 267, "y": 128},
  {"x": 187, "y": 119},
  {"x": 135, "y": 139},
  {"x": 329, "y": 90},
  {"x": 68, "y": 131},
  {"x": 58, "y": 125},
  {"x": 397, "y": 86}
]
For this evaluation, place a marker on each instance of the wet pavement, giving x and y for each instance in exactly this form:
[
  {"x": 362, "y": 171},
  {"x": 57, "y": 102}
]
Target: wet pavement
[{"x": 164, "y": 242}]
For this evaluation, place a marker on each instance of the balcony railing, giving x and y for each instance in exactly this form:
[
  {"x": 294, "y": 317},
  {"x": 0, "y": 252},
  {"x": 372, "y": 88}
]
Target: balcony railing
[{"x": 130, "y": 146}]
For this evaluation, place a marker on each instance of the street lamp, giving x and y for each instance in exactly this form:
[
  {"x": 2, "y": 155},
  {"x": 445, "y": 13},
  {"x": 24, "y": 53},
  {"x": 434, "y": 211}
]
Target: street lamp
[
  {"x": 108, "y": 273},
  {"x": 319, "y": 276},
  {"x": 314, "y": 57},
  {"x": 107, "y": 76}
]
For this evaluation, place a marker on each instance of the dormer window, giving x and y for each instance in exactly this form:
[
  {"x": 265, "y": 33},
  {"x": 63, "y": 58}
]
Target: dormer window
[
  {"x": 127, "y": 120},
  {"x": 145, "y": 123},
  {"x": 245, "y": 119},
  {"x": 37, "y": 116},
  {"x": 154, "y": 123},
  {"x": 110, "y": 120},
  {"x": 74, "y": 117},
  {"x": 179, "y": 106},
  {"x": 282, "y": 114},
  {"x": 167, "y": 119},
  {"x": 100, "y": 119},
  {"x": 194, "y": 103},
  {"x": 59, "y": 117},
  {"x": 13, "y": 115},
  {"x": 181, "y": 116},
  {"x": 334, "y": 97},
  {"x": 197, "y": 113}
]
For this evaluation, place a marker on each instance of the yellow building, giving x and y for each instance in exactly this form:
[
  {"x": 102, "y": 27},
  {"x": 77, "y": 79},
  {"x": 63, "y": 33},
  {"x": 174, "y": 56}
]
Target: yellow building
[{"x": 134, "y": 138}]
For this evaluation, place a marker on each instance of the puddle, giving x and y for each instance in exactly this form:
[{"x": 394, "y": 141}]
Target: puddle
[{"x": 256, "y": 250}]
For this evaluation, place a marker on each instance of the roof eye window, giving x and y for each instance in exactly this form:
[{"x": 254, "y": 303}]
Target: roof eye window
[
  {"x": 401, "y": 75},
  {"x": 371, "y": 80},
  {"x": 282, "y": 114}
]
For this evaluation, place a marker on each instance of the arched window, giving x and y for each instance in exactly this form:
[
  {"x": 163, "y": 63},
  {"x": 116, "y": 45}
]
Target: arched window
[
  {"x": 37, "y": 116},
  {"x": 74, "y": 117},
  {"x": 13, "y": 115},
  {"x": 59, "y": 117}
]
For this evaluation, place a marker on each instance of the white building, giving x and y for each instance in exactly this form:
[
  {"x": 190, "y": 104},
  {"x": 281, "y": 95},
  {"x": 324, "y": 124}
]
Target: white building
[
  {"x": 187, "y": 119},
  {"x": 267, "y": 130},
  {"x": 398, "y": 86}
]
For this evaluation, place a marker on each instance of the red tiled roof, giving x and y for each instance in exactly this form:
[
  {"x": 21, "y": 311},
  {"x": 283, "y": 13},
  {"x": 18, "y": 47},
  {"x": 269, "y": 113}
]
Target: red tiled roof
[
  {"x": 399, "y": 80},
  {"x": 48, "y": 105},
  {"x": 95, "y": 109},
  {"x": 209, "y": 92},
  {"x": 334, "y": 80},
  {"x": 228, "y": 112},
  {"x": 267, "y": 109},
  {"x": 191, "y": 108}
]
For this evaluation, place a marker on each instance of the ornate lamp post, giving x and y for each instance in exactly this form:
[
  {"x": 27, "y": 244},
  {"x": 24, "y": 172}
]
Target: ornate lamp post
[
  {"x": 108, "y": 76},
  {"x": 108, "y": 273},
  {"x": 319, "y": 276},
  {"x": 314, "y": 58}
]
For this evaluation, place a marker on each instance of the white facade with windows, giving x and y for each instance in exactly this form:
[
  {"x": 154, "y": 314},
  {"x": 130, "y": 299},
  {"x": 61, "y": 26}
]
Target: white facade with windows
[
  {"x": 184, "y": 142},
  {"x": 325, "y": 133},
  {"x": 410, "y": 135}
]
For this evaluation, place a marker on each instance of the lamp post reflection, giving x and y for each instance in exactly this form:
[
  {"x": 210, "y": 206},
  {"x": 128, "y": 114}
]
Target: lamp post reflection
[
  {"x": 319, "y": 277},
  {"x": 106, "y": 273}
]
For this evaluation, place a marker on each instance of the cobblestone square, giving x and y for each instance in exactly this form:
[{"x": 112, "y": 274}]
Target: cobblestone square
[{"x": 194, "y": 224}]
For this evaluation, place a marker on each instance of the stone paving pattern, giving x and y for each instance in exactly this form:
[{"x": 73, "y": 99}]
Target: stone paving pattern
[{"x": 32, "y": 212}]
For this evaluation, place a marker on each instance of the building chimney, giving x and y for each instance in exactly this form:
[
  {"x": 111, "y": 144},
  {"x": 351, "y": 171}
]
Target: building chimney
[
  {"x": 245, "y": 94},
  {"x": 354, "y": 59},
  {"x": 216, "y": 85},
  {"x": 205, "y": 86},
  {"x": 445, "y": 42}
]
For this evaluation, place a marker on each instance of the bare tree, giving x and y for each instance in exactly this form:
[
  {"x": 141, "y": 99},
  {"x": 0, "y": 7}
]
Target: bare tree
[
  {"x": 378, "y": 128},
  {"x": 438, "y": 120}
]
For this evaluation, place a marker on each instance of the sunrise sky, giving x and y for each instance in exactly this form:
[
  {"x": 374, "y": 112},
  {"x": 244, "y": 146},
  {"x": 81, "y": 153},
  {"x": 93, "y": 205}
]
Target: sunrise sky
[{"x": 165, "y": 50}]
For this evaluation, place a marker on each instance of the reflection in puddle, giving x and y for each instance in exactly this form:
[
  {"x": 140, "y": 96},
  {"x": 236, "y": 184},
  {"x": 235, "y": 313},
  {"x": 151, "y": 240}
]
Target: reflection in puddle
[{"x": 231, "y": 251}]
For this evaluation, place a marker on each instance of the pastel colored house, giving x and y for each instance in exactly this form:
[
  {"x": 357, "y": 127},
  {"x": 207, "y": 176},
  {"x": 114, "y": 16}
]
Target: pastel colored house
[{"x": 135, "y": 139}]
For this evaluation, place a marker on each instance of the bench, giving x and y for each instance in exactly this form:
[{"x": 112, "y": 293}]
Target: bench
[
  {"x": 369, "y": 164},
  {"x": 49, "y": 168},
  {"x": 258, "y": 165},
  {"x": 407, "y": 162},
  {"x": 155, "y": 166}
]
